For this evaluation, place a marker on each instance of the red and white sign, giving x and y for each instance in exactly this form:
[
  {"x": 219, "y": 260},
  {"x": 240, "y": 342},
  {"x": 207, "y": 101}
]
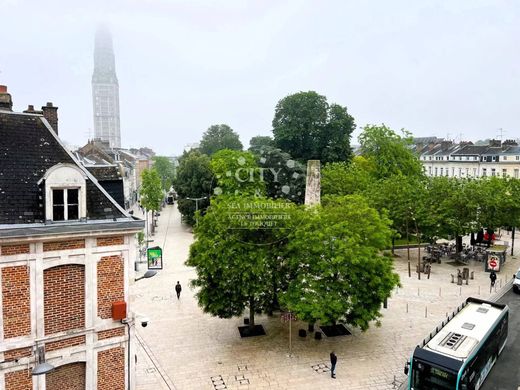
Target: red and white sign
[
  {"x": 493, "y": 263},
  {"x": 288, "y": 317}
]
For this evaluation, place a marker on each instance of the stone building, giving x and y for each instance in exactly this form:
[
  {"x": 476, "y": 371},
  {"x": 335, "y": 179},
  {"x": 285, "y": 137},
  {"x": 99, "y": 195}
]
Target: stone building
[{"x": 67, "y": 251}]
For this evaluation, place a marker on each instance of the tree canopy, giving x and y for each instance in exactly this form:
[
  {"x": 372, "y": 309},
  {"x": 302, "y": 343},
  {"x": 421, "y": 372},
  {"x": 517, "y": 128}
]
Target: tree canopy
[
  {"x": 308, "y": 128},
  {"x": 219, "y": 137},
  {"x": 391, "y": 153},
  {"x": 340, "y": 273},
  {"x": 151, "y": 190},
  {"x": 194, "y": 180},
  {"x": 260, "y": 141},
  {"x": 165, "y": 169}
]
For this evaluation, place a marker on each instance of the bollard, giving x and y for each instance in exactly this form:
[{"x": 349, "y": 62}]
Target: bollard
[
  {"x": 500, "y": 282},
  {"x": 467, "y": 281},
  {"x": 440, "y": 292},
  {"x": 472, "y": 275},
  {"x": 478, "y": 290},
  {"x": 460, "y": 291},
  {"x": 425, "y": 311},
  {"x": 407, "y": 307}
]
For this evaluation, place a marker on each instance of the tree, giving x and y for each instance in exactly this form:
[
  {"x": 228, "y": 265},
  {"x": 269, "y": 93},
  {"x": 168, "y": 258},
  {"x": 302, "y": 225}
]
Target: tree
[
  {"x": 391, "y": 153},
  {"x": 236, "y": 262},
  {"x": 236, "y": 173},
  {"x": 151, "y": 192},
  {"x": 341, "y": 178},
  {"x": 260, "y": 141},
  {"x": 166, "y": 171},
  {"x": 335, "y": 257},
  {"x": 194, "y": 180},
  {"x": 284, "y": 177},
  {"x": 306, "y": 127},
  {"x": 219, "y": 137}
]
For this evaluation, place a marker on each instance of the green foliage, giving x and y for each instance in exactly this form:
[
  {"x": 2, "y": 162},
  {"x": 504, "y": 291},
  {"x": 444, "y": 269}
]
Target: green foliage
[
  {"x": 346, "y": 179},
  {"x": 236, "y": 265},
  {"x": 166, "y": 171},
  {"x": 194, "y": 180},
  {"x": 219, "y": 137},
  {"x": 339, "y": 271},
  {"x": 284, "y": 177},
  {"x": 260, "y": 141},
  {"x": 391, "y": 153},
  {"x": 236, "y": 173},
  {"x": 151, "y": 190},
  {"x": 308, "y": 128}
]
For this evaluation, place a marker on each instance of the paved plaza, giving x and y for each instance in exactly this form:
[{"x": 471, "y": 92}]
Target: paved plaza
[{"x": 183, "y": 348}]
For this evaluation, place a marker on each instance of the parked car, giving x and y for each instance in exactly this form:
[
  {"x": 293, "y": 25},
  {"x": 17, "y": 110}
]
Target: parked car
[{"x": 516, "y": 282}]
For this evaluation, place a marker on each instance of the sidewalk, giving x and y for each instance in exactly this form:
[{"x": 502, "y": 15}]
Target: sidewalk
[{"x": 197, "y": 351}]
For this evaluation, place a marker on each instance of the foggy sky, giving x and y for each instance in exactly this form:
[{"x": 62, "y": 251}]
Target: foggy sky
[{"x": 442, "y": 68}]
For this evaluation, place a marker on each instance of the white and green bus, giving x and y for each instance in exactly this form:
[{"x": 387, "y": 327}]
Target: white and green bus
[{"x": 459, "y": 353}]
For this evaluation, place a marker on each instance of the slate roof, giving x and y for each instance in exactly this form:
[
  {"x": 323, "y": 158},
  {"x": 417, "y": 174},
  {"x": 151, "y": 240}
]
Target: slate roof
[
  {"x": 107, "y": 172},
  {"x": 28, "y": 148}
]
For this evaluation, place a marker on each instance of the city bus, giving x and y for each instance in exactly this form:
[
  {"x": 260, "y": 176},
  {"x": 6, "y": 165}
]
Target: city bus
[{"x": 459, "y": 353}]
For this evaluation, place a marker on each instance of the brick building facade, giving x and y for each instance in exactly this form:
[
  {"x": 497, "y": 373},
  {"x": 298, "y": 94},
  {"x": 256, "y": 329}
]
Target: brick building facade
[{"x": 67, "y": 251}]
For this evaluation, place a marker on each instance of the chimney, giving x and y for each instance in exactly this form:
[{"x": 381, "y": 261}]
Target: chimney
[
  {"x": 51, "y": 114},
  {"x": 31, "y": 110},
  {"x": 6, "y": 103}
]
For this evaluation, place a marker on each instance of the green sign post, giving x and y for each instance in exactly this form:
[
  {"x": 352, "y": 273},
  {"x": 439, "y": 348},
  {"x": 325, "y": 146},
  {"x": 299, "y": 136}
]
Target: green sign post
[{"x": 154, "y": 256}]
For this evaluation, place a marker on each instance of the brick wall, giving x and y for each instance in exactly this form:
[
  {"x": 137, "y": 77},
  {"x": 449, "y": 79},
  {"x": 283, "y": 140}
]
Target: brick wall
[
  {"x": 106, "y": 334},
  {"x": 68, "y": 377},
  {"x": 18, "y": 380},
  {"x": 109, "y": 241},
  {"x": 111, "y": 369},
  {"x": 70, "y": 342},
  {"x": 16, "y": 299},
  {"x": 18, "y": 353},
  {"x": 63, "y": 245},
  {"x": 15, "y": 249},
  {"x": 111, "y": 287},
  {"x": 64, "y": 298}
]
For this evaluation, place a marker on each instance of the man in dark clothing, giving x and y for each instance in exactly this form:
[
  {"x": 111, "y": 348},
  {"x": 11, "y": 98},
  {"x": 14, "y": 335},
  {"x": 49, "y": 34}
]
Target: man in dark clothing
[
  {"x": 333, "y": 361},
  {"x": 178, "y": 289},
  {"x": 493, "y": 277}
]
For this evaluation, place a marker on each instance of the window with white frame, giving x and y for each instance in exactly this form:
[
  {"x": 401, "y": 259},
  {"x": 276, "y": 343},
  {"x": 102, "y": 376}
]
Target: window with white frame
[
  {"x": 484, "y": 172},
  {"x": 65, "y": 204},
  {"x": 65, "y": 193},
  {"x": 493, "y": 172},
  {"x": 516, "y": 173},
  {"x": 504, "y": 172}
]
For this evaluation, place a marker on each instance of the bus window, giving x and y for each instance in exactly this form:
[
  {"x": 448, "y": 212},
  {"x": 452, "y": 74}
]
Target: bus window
[{"x": 428, "y": 377}]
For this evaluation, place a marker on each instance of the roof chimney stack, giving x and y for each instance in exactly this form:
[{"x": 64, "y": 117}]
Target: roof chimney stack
[
  {"x": 51, "y": 114},
  {"x": 6, "y": 103}
]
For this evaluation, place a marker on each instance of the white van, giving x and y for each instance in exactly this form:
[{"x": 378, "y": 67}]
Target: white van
[{"x": 516, "y": 282}]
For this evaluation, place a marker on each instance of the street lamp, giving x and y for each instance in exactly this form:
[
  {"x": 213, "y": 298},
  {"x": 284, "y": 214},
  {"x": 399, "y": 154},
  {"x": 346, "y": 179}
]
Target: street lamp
[
  {"x": 197, "y": 204},
  {"x": 147, "y": 274},
  {"x": 42, "y": 367}
]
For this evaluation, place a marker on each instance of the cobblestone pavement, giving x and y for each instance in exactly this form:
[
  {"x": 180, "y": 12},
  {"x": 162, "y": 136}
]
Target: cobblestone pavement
[{"x": 193, "y": 350}]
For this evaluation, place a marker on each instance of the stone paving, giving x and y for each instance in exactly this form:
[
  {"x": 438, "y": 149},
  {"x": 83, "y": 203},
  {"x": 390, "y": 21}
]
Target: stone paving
[{"x": 193, "y": 350}]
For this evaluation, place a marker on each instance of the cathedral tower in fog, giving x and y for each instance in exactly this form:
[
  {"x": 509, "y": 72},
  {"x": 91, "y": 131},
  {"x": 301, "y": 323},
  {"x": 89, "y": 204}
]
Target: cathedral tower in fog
[{"x": 105, "y": 90}]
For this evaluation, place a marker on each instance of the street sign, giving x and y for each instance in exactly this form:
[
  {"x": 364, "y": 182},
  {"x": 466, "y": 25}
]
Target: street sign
[
  {"x": 288, "y": 317},
  {"x": 154, "y": 256}
]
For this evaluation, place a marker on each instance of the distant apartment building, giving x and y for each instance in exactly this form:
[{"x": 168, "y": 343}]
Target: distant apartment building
[
  {"x": 465, "y": 160},
  {"x": 105, "y": 91},
  {"x": 67, "y": 251}
]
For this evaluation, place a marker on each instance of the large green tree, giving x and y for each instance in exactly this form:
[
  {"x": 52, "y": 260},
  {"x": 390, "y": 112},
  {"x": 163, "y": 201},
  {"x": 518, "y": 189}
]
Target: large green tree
[
  {"x": 219, "y": 137},
  {"x": 308, "y": 128},
  {"x": 194, "y": 180},
  {"x": 165, "y": 169},
  {"x": 343, "y": 178},
  {"x": 391, "y": 152},
  {"x": 260, "y": 141},
  {"x": 339, "y": 271},
  {"x": 236, "y": 258}
]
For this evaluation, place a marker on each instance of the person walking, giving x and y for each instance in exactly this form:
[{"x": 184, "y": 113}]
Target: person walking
[
  {"x": 493, "y": 278},
  {"x": 333, "y": 361},
  {"x": 178, "y": 289}
]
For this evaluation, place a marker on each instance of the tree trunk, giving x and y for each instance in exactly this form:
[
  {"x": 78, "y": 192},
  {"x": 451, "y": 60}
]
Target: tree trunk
[
  {"x": 393, "y": 245},
  {"x": 458, "y": 243},
  {"x": 251, "y": 313}
]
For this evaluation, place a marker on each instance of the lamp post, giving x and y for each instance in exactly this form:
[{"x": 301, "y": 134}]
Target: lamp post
[
  {"x": 41, "y": 367},
  {"x": 131, "y": 321},
  {"x": 197, "y": 205}
]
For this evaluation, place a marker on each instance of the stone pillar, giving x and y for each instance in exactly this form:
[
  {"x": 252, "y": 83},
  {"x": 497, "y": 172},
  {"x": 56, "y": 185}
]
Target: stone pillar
[{"x": 313, "y": 185}]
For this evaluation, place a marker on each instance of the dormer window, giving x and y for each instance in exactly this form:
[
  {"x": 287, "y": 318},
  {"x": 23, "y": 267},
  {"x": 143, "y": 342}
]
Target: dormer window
[
  {"x": 65, "y": 204},
  {"x": 65, "y": 193}
]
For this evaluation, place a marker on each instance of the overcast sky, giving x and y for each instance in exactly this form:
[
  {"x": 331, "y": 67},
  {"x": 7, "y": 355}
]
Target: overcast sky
[{"x": 441, "y": 68}]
